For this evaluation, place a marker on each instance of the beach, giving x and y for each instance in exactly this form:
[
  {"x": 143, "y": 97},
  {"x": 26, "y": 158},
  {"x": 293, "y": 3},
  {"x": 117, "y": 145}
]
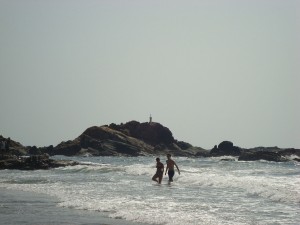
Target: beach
[{"x": 23, "y": 207}]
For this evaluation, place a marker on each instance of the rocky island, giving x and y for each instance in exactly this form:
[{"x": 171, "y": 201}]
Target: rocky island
[{"x": 130, "y": 139}]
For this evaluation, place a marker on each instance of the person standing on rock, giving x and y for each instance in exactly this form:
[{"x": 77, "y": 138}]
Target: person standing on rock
[
  {"x": 170, "y": 168},
  {"x": 159, "y": 171}
]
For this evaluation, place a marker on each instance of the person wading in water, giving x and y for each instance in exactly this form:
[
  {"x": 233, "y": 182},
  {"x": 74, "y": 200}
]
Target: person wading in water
[
  {"x": 159, "y": 171},
  {"x": 170, "y": 168}
]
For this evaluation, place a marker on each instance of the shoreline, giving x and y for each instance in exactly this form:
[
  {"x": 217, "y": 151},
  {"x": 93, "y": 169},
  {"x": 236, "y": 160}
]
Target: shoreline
[{"x": 22, "y": 207}]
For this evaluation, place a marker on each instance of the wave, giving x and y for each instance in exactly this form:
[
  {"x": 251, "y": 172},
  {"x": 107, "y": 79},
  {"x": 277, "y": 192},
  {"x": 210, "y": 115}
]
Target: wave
[
  {"x": 90, "y": 168},
  {"x": 206, "y": 192},
  {"x": 26, "y": 181},
  {"x": 279, "y": 190},
  {"x": 226, "y": 175}
]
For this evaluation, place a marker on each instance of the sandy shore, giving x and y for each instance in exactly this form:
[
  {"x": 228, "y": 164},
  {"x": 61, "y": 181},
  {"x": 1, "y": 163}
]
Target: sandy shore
[{"x": 18, "y": 207}]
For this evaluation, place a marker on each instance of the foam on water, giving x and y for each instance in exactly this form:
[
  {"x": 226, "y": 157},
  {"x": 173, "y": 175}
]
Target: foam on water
[
  {"x": 208, "y": 191},
  {"x": 276, "y": 189}
]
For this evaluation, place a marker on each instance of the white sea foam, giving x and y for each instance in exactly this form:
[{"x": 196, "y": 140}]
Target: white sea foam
[
  {"x": 274, "y": 188},
  {"x": 140, "y": 169},
  {"x": 208, "y": 191},
  {"x": 292, "y": 157}
]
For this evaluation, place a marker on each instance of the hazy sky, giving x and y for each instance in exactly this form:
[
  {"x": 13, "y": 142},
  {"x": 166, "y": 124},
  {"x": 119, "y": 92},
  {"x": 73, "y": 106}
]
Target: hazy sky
[{"x": 209, "y": 70}]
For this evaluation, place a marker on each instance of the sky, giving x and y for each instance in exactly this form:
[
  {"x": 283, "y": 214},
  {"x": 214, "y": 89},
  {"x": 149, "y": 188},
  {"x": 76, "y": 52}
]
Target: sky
[{"x": 209, "y": 70}]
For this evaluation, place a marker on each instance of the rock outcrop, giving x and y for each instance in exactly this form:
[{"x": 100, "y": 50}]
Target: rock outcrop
[
  {"x": 103, "y": 141},
  {"x": 262, "y": 155},
  {"x": 129, "y": 139},
  {"x": 270, "y": 154},
  {"x": 137, "y": 139},
  {"x": 13, "y": 148},
  {"x": 225, "y": 148},
  {"x": 35, "y": 162},
  {"x": 151, "y": 133}
]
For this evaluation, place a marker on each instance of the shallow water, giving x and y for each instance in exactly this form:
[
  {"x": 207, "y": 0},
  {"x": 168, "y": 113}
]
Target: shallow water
[{"x": 208, "y": 191}]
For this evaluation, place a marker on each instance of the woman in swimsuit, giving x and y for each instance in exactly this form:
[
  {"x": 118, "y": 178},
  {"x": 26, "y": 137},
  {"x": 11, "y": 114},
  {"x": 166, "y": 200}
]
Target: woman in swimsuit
[{"x": 159, "y": 171}]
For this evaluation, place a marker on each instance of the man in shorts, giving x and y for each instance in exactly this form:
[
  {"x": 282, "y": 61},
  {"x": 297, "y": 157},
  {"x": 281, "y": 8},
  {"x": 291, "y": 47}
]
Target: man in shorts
[
  {"x": 170, "y": 168},
  {"x": 159, "y": 171}
]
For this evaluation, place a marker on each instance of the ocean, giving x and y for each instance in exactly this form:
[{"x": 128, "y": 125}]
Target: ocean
[{"x": 119, "y": 190}]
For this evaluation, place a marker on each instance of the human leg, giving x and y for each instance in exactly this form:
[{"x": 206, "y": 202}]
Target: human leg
[
  {"x": 171, "y": 175},
  {"x": 154, "y": 178},
  {"x": 160, "y": 178}
]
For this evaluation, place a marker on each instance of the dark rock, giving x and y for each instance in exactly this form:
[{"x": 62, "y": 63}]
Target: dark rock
[
  {"x": 107, "y": 141},
  {"x": 289, "y": 152},
  {"x": 225, "y": 148},
  {"x": 13, "y": 147},
  {"x": 225, "y": 145},
  {"x": 270, "y": 153},
  {"x": 34, "y": 151},
  {"x": 129, "y": 139},
  {"x": 204, "y": 153},
  {"x": 265, "y": 149},
  {"x": 122, "y": 148},
  {"x": 183, "y": 145},
  {"x": 199, "y": 152},
  {"x": 68, "y": 148},
  {"x": 151, "y": 133},
  {"x": 49, "y": 150},
  {"x": 34, "y": 162},
  {"x": 261, "y": 155},
  {"x": 133, "y": 139}
]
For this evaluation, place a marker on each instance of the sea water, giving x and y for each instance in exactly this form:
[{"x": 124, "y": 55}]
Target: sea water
[{"x": 208, "y": 190}]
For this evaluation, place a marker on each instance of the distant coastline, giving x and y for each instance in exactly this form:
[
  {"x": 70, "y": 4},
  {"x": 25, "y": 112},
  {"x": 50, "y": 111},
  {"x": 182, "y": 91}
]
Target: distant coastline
[{"x": 141, "y": 139}]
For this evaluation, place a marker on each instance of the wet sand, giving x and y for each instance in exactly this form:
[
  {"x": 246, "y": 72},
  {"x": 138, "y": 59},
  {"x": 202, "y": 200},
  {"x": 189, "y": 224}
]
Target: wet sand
[{"x": 18, "y": 207}]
